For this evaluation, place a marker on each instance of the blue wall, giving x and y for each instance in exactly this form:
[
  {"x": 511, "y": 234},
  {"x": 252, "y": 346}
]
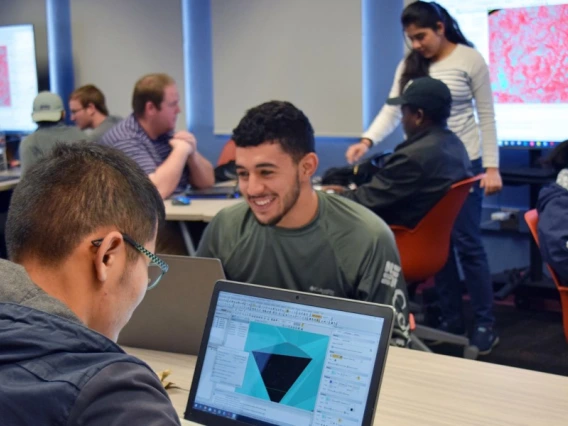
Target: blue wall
[{"x": 59, "y": 45}]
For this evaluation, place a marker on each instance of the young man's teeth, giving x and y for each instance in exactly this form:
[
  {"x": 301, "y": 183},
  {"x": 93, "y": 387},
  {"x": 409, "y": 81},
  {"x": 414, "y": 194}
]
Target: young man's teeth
[{"x": 262, "y": 203}]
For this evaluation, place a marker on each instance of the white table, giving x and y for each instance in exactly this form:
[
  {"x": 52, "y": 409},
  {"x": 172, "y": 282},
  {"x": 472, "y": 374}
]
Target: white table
[
  {"x": 10, "y": 184},
  {"x": 200, "y": 210},
  {"x": 420, "y": 388}
]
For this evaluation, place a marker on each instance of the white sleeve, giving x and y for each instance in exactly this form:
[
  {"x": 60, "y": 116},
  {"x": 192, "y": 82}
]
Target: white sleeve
[
  {"x": 389, "y": 116},
  {"x": 481, "y": 88}
]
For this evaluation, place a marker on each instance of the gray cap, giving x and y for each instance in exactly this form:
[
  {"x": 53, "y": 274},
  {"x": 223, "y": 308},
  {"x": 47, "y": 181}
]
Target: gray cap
[{"x": 47, "y": 107}]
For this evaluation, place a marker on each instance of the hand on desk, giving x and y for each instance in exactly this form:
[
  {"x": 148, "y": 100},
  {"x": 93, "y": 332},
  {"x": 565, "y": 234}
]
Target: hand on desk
[{"x": 492, "y": 181}]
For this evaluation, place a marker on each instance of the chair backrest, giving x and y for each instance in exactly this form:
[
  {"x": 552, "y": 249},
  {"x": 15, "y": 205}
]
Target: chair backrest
[
  {"x": 424, "y": 249},
  {"x": 531, "y": 217},
  {"x": 228, "y": 153}
]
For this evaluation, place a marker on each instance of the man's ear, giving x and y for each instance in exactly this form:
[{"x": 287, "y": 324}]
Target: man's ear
[
  {"x": 419, "y": 117},
  {"x": 107, "y": 255},
  {"x": 150, "y": 108},
  {"x": 309, "y": 165}
]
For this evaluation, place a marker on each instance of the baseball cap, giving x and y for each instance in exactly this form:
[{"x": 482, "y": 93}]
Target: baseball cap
[
  {"x": 426, "y": 93},
  {"x": 47, "y": 107}
]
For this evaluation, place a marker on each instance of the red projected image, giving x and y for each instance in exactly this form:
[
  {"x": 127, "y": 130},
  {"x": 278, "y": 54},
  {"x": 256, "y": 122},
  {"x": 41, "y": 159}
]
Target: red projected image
[
  {"x": 5, "y": 100},
  {"x": 528, "y": 54}
]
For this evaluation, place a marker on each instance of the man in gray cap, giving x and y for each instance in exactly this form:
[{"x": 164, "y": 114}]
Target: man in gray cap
[{"x": 48, "y": 113}]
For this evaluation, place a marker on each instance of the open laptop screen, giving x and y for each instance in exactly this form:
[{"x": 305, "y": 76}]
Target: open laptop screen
[{"x": 272, "y": 362}]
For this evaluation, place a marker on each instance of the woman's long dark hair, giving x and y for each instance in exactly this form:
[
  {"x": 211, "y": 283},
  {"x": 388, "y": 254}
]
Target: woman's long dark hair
[{"x": 427, "y": 15}]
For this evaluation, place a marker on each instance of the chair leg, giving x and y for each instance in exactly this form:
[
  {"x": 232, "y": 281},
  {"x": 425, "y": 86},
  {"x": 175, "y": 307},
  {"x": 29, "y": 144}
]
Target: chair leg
[
  {"x": 427, "y": 333},
  {"x": 417, "y": 344}
]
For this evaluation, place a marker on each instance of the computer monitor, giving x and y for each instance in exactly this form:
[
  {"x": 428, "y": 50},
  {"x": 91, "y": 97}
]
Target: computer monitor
[
  {"x": 18, "y": 78},
  {"x": 521, "y": 40}
]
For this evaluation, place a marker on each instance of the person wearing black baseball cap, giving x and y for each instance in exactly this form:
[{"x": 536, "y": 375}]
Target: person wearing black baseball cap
[{"x": 423, "y": 167}]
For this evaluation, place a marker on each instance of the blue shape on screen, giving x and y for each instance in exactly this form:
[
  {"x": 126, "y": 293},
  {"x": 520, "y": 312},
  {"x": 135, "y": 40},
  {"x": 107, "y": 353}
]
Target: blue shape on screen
[{"x": 284, "y": 365}]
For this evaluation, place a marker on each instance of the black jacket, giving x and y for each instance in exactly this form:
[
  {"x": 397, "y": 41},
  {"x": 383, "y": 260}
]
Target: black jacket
[
  {"x": 415, "y": 177},
  {"x": 552, "y": 207}
]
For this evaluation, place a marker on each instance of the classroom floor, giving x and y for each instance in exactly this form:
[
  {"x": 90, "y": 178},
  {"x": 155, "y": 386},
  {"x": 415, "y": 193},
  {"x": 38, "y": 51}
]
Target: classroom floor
[{"x": 530, "y": 339}]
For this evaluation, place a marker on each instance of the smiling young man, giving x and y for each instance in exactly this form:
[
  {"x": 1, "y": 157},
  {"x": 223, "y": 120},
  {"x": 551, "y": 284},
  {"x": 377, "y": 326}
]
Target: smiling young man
[
  {"x": 147, "y": 136},
  {"x": 80, "y": 234},
  {"x": 287, "y": 235}
]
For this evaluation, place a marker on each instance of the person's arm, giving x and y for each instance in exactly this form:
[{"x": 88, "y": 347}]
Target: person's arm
[
  {"x": 383, "y": 282},
  {"x": 123, "y": 393},
  {"x": 201, "y": 174},
  {"x": 483, "y": 96},
  {"x": 384, "y": 123},
  {"x": 392, "y": 185},
  {"x": 167, "y": 176},
  {"x": 389, "y": 116}
]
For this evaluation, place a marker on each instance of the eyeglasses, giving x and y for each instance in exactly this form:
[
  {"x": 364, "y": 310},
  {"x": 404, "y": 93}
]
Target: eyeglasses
[
  {"x": 156, "y": 268},
  {"x": 75, "y": 111}
]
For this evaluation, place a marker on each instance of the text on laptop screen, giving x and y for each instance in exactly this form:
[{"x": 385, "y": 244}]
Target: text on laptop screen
[{"x": 281, "y": 363}]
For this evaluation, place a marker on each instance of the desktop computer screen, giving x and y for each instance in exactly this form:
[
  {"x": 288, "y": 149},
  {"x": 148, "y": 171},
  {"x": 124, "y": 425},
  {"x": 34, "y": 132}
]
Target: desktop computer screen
[
  {"x": 525, "y": 44},
  {"x": 18, "y": 78}
]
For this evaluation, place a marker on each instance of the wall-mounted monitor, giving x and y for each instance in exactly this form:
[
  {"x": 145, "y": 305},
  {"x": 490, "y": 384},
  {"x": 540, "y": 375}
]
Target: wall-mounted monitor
[
  {"x": 524, "y": 42},
  {"x": 18, "y": 78}
]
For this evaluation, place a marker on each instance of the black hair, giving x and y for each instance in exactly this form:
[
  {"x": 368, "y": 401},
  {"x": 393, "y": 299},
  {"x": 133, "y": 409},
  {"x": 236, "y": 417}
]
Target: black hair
[
  {"x": 427, "y": 15},
  {"x": 276, "y": 122},
  {"x": 558, "y": 157},
  {"x": 72, "y": 192}
]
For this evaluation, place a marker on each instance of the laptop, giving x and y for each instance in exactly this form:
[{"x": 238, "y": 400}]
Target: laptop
[
  {"x": 182, "y": 299},
  {"x": 214, "y": 192},
  {"x": 279, "y": 357}
]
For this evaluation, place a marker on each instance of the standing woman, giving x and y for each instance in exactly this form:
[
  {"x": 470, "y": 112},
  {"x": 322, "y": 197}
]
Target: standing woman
[{"x": 440, "y": 50}]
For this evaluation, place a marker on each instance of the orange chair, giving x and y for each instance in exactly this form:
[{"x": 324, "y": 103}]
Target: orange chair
[
  {"x": 531, "y": 217},
  {"x": 228, "y": 153},
  {"x": 424, "y": 251}
]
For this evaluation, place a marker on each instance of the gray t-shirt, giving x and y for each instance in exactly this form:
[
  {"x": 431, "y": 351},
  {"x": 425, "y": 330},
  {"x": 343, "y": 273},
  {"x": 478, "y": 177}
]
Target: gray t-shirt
[
  {"x": 346, "y": 251},
  {"x": 43, "y": 140},
  {"x": 96, "y": 134}
]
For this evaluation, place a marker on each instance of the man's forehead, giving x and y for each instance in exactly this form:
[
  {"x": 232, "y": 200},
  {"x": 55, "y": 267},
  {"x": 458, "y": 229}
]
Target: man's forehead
[
  {"x": 269, "y": 152},
  {"x": 171, "y": 91}
]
